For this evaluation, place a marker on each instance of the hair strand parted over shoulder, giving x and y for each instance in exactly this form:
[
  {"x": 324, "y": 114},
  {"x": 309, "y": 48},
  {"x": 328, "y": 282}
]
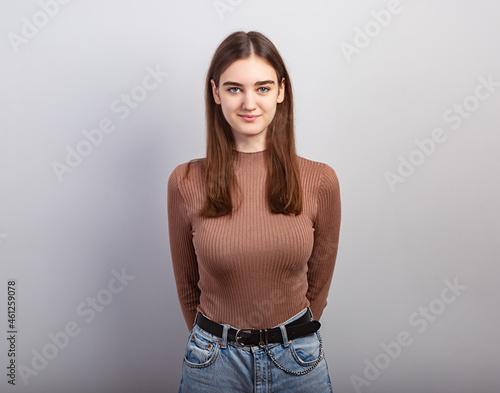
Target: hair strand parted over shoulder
[{"x": 284, "y": 193}]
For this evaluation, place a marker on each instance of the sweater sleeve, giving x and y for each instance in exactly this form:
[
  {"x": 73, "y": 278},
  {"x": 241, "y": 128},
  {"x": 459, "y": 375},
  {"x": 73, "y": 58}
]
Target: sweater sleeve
[
  {"x": 326, "y": 238},
  {"x": 184, "y": 262}
]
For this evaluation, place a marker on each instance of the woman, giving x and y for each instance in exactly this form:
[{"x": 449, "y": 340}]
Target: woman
[{"x": 253, "y": 230}]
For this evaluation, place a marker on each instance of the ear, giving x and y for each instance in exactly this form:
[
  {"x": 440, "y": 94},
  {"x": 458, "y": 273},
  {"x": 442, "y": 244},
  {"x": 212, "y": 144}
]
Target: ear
[
  {"x": 215, "y": 92},
  {"x": 281, "y": 92}
]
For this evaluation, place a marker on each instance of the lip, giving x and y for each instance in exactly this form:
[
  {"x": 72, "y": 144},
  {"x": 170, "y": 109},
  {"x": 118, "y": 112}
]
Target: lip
[{"x": 249, "y": 118}]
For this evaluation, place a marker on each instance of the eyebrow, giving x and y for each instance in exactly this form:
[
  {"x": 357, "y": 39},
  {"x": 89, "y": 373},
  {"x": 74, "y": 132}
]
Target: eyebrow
[{"x": 259, "y": 83}]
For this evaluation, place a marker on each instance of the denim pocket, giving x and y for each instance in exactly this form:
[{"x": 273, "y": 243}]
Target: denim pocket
[
  {"x": 306, "y": 350},
  {"x": 201, "y": 351}
]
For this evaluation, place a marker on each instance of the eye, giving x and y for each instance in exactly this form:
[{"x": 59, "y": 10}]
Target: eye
[
  {"x": 233, "y": 90},
  {"x": 263, "y": 89}
]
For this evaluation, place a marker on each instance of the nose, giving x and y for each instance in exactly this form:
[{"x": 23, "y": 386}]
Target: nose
[{"x": 248, "y": 103}]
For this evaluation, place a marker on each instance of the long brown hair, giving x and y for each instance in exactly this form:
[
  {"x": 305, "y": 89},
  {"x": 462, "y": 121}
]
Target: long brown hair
[{"x": 284, "y": 193}]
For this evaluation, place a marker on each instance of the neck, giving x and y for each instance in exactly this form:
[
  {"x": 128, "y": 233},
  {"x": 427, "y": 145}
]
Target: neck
[{"x": 251, "y": 144}]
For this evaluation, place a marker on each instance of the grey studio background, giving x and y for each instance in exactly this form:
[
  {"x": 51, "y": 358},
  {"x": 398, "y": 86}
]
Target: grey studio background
[{"x": 100, "y": 100}]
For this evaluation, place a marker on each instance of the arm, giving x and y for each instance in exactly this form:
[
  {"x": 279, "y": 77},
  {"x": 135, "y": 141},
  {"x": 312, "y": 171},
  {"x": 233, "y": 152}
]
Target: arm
[
  {"x": 184, "y": 262},
  {"x": 326, "y": 238}
]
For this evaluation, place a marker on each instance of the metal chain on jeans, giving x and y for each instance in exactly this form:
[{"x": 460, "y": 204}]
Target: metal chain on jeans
[{"x": 288, "y": 371}]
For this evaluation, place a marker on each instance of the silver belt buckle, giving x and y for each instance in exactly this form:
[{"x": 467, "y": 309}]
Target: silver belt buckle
[{"x": 236, "y": 337}]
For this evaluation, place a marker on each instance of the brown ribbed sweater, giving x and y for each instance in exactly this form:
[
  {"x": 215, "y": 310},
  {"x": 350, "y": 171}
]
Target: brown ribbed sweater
[{"x": 255, "y": 269}]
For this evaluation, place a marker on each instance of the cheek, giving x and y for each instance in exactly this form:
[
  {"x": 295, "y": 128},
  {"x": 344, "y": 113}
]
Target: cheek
[
  {"x": 270, "y": 107},
  {"x": 230, "y": 104},
  {"x": 227, "y": 111},
  {"x": 270, "y": 102}
]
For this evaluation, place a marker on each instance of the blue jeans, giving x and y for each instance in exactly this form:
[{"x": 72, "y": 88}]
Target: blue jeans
[{"x": 214, "y": 365}]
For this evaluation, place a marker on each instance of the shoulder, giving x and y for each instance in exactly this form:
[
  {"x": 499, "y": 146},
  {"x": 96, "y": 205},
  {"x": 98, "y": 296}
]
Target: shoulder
[
  {"x": 319, "y": 173},
  {"x": 186, "y": 173}
]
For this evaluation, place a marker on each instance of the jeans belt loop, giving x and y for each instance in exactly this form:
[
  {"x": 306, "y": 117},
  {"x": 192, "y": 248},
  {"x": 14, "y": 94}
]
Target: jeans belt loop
[
  {"x": 284, "y": 335},
  {"x": 224, "y": 336},
  {"x": 263, "y": 340}
]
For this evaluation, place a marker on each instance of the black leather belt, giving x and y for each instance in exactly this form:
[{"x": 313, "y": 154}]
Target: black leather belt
[{"x": 299, "y": 328}]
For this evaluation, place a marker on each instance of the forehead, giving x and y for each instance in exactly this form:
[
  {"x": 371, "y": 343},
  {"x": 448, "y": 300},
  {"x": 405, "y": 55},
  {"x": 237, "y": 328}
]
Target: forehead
[{"x": 248, "y": 71}]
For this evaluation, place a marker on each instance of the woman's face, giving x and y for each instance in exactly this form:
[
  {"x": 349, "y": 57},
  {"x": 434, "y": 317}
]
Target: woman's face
[{"x": 248, "y": 93}]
